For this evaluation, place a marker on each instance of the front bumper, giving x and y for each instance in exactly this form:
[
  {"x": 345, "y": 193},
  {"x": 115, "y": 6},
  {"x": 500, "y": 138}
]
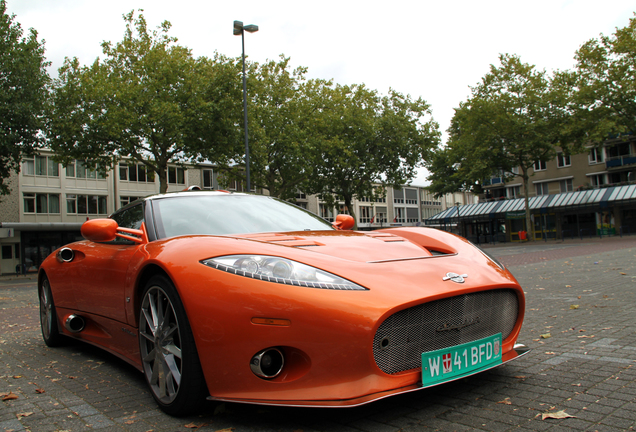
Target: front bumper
[{"x": 518, "y": 350}]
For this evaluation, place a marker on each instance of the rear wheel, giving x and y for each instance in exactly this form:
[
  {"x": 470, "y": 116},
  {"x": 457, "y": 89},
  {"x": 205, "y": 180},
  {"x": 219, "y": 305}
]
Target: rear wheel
[
  {"x": 168, "y": 353},
  {"x": 48, "y": 316}
]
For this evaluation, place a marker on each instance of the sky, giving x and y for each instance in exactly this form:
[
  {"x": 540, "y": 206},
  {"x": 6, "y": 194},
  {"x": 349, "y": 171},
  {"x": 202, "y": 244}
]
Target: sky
[{"x": 434, "y": 50}]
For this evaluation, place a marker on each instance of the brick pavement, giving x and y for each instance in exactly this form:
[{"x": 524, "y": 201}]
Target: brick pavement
[{"x": 581, "y": 304}]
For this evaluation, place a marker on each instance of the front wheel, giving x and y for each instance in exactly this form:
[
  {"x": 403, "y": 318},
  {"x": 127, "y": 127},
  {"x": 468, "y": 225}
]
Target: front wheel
[
  {"x": 48, "y": 315},
  {"x": 168, "y": 352}
]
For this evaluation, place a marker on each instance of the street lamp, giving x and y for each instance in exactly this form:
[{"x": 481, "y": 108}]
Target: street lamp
[{"x": 239, "y": 29}]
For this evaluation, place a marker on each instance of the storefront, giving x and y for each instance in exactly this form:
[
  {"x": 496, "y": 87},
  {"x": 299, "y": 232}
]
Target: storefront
[{"x": 597, "y": 212}]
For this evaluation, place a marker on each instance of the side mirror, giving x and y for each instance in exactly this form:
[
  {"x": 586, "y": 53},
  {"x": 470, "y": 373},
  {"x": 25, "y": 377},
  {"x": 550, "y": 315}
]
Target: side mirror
[
  {"x": 105, "y": 230},
  {"x": 100, "y": 230},
  {"x": 344, "y": 222}
]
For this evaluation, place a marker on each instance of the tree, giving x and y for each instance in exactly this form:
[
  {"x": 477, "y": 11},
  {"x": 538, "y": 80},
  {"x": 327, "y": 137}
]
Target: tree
[
  {"x": 281, "y": 110},
  {"x": 515, "y": 117},
  {"x": 606, "y": 78},
  {"x": 23, "y": 92},
  {"x": 365, "y": 139},
  {"x": 149, "y": 100}
]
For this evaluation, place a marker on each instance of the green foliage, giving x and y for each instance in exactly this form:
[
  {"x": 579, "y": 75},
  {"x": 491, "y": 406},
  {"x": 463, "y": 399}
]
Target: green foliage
[
  {"x": 23, "y": 92},
  {"x": 281, "y": 109},
  {"x": 363, "y": 138},
  {"x": 148, "y": 99},
  {"x": 514, "y": 117},
  {"x": 606, "y": 78}
]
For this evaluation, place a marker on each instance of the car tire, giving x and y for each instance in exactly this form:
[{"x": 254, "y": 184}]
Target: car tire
[
  {"x": 168, "y": 353},
  {"x": 48, "y": 315}
]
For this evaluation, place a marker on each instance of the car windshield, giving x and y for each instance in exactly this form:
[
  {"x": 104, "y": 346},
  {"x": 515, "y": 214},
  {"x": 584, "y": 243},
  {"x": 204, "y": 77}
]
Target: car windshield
[{"x": 230, "y": 214}]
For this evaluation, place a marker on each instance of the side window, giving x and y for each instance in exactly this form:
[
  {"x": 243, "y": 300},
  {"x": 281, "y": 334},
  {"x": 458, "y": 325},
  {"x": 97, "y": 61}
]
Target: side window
[{"x": 132, "y": 217}]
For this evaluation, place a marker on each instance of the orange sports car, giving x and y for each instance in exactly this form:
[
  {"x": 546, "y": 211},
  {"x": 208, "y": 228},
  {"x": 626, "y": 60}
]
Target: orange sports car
[{"x": 245, "y": 298}]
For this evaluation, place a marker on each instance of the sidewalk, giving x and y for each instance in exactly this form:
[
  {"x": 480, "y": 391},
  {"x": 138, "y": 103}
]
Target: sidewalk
[{"x": 512, "y": 254}]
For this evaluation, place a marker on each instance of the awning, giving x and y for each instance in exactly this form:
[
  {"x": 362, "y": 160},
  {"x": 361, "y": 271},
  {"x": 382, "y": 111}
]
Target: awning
[{"x": 594, "y": 198}]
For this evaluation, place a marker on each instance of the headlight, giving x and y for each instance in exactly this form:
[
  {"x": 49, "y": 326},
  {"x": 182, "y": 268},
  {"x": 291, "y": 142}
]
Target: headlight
[{"x": 280, "y": 270}]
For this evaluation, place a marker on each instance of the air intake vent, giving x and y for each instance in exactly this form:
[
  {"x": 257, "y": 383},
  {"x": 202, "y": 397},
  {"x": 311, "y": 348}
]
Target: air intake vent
[{"x": 403, "y": 337}]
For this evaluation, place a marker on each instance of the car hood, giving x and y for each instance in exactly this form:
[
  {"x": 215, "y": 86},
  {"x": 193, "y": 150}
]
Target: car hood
[{"x": 349, "y": 245}]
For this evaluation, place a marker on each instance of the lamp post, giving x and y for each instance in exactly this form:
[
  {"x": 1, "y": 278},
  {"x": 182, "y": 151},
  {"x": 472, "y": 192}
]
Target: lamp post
[{"x": 239, "y": 29}]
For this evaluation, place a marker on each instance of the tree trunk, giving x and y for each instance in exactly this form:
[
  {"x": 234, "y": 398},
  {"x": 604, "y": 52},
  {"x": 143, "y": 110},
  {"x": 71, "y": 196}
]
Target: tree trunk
[
  {"x": 529, "y": 225},
  {"x": 348, "y": 204},
  {"x": 163, "y": 180}
]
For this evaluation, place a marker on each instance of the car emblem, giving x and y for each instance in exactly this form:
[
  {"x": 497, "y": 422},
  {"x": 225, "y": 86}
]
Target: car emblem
[{"x": 455, "y": 277}]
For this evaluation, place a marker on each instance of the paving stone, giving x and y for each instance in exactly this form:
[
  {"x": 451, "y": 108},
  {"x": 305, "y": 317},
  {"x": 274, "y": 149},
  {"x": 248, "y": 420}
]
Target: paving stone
[{"x": 587, "y": 367}]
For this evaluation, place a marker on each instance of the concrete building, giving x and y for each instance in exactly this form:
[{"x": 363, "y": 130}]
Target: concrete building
[
  {"x": 49, "y": 202},
  {"x": 592, "y": 193}
]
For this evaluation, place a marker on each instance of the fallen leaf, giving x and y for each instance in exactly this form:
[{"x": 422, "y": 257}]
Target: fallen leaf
[
  {"x": 574, "y": 306},
  {"x": 549, "y": 353},
  {"x": 195, "y": 426},
  {"x": 545, "y": 336},
  {"x": 23, "y": 414},
  {"x": 230, "y": 429},
  {"x": 622, "y": 273},
  {"x": 556, "y": 415},
  {"x": 568, "y": 286},
  {"x": 506, "y": 401},
  {"x": 10, "y": 396},
  {"x": 40, "y": 390}
]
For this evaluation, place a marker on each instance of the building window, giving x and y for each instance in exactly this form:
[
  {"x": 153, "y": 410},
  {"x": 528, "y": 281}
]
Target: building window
[
  {"x": 513, "y": 192},
  {"x": 399, "y": 215},
  {"x": 563, "y": 160},
  {"x": 301, "y": 195},
  {"x": 176, "y": 175},
  {"x": 596, "y": 156},
  {"x": 326, "y": 213},
  {"x": 41, "y": 203},
  {"x": 43, "y": 166},
  {"x": 208, "y": 179},
  {"x": 597, "y": 180},
  {"x": 78, "y": 169},
  {"x": 542, "y": 188},
  {"x": 398, "y": 196},
  {"x": 86, "y": 204},
  {"x": 411, "y": 196},
  {"x": 125, "y": 200},
  {"x": 7, "y": 252},
  {"x": 342, "y": 209},
  {"x": 136, "y": 173},
  {"x": 380, "y": 215},
  {"x": 412, "y": 215},
  {"x": 618, "y": 150},
  {"x": 566, "y": 185},
  {"x": 540, "y": 166},
  {"x": 366, "y": 214}
]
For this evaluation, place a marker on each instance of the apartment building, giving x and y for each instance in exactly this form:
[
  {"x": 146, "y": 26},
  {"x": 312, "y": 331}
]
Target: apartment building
[{"x": 591, "y": 193}]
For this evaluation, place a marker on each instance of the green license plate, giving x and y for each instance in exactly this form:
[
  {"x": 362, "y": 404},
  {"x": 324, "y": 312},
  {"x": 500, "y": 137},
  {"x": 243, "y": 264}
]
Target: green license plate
[{"x": 457, "y": 361}]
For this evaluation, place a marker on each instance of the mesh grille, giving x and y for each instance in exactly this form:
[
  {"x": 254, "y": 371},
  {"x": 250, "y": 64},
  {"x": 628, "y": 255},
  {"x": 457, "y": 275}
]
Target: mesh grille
[{"x": 403, "y": 337}]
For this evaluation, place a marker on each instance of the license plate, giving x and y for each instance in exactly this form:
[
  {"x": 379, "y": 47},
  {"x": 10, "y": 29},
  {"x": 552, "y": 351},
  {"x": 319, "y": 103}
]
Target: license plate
[{"x": 460, "y": 360}]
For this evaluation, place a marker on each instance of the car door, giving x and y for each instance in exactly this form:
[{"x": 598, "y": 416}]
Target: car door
[{"x": 101, "y": 280}]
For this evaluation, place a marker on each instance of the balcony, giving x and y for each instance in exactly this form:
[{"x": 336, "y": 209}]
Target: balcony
[{"x": 620, "y": 161}]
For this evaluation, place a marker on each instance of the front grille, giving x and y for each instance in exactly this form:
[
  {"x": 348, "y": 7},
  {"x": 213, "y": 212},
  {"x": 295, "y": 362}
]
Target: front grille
[{"x": 403, "y": 337}]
